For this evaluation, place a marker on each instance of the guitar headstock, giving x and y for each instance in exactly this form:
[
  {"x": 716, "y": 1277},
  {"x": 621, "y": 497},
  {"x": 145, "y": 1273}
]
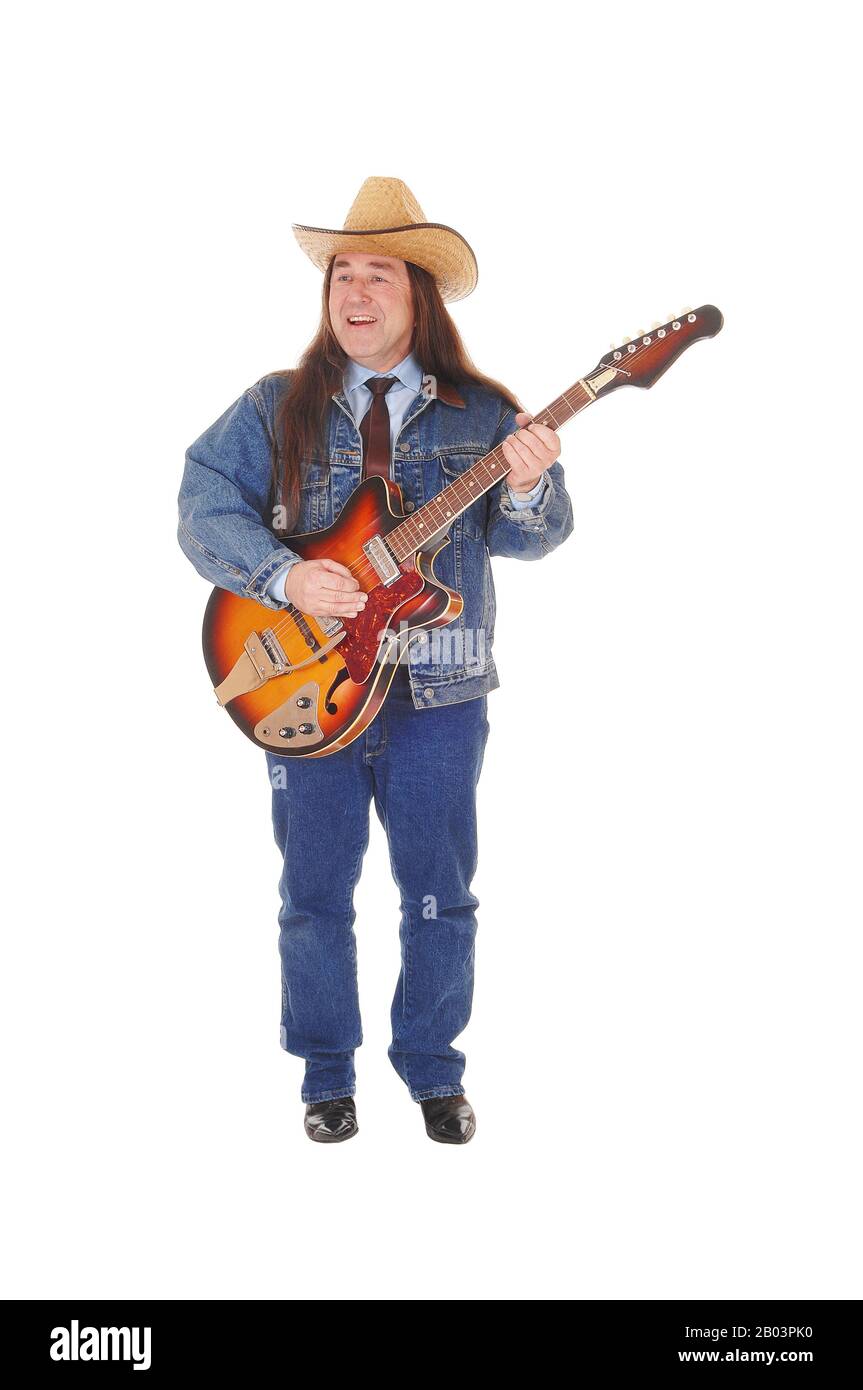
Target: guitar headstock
[{"x": 642, "y": 360}]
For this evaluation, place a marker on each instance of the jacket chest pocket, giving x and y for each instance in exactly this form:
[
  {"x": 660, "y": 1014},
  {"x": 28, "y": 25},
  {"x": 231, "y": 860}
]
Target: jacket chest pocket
[{"x": 453, "y": 468}]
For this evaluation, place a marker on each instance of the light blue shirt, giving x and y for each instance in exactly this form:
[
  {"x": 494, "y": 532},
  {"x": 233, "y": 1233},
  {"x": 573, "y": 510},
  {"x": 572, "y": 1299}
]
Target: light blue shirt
[{"x": 407, "y": 387}]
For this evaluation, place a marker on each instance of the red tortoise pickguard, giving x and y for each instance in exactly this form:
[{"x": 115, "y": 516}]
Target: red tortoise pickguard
[{"x": 359, "y": 649}]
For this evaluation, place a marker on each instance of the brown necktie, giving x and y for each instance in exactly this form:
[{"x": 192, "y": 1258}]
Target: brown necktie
[{"x": 375, "y": 429}]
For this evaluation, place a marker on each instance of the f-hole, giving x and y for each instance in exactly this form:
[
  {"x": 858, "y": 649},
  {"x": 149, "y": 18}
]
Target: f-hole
[{"x": 329, "y": 704}]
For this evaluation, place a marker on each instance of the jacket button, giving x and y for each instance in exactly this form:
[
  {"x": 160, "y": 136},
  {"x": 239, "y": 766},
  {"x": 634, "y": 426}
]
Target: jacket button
[
  {"x": 429, "y": 693},
  {"x": 409, "y": 506}
]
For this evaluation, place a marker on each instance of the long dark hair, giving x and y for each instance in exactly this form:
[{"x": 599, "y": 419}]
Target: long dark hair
[{"x": 301, "y": 418}]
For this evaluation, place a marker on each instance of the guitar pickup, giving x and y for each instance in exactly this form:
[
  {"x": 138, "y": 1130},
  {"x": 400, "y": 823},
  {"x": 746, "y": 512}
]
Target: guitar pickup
[{"x": 382, "y": 560}]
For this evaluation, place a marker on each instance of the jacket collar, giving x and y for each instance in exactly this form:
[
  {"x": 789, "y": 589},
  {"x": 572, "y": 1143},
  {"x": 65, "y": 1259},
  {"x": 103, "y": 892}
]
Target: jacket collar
[
  {"x": 442, "y": 390},
  {"x": 409, "y": 373}
]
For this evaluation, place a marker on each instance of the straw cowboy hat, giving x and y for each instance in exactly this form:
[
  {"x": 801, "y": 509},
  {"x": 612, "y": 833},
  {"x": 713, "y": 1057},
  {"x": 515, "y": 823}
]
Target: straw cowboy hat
[{"x": 386, "y": 217}]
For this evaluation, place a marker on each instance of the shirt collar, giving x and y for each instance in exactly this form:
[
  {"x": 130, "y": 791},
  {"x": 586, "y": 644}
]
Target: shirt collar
[{"x": 408, "y": 371}]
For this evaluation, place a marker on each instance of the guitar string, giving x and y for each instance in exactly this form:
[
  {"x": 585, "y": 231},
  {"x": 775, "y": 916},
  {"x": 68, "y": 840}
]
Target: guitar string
[{"x": 363, "y": 569}]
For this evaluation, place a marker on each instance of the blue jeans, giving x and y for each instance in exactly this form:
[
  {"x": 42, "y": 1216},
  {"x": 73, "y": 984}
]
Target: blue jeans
[{"x": 422, "y": 768}]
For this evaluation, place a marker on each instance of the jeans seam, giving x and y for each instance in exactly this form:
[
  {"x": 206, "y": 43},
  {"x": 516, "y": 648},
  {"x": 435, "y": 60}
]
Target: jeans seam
[
  {"x": 432, "y": 1092},
  {"x": 364, "y": 839},
  {"x": 406, "y": 952},
  {"x": 327, "y": 1095},
  {"x": 369, "y": 754},
  {"x": 407, "y": 994}
]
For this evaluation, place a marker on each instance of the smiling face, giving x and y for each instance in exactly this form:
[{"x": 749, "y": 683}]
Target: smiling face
[{"x": 365, "y": 286}]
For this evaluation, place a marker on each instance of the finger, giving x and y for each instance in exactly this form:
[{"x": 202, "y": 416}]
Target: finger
[
  {"x": 335, "y": 587},
  {"x": 524, "y": 454},
  {"x": 536, "y": 452},
  {"x": 342, "y": 600},
  {"x": 545, "y": 433},
  {"x": 335, "y": 568},
  {"x": 522, "y": 469},
  {"x": 326, "y": 579}
]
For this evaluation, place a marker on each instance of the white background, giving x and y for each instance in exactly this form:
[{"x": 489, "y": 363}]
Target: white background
[{"x": 664, "y": 1054}]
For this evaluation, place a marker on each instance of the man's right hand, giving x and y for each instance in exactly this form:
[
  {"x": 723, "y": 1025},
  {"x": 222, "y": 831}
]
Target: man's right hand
[{"x": 323, "y": 589}]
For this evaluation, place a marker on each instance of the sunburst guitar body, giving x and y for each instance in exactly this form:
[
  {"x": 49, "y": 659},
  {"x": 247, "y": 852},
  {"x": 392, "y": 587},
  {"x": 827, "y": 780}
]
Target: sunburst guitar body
[{"x": 305, "y": 686}]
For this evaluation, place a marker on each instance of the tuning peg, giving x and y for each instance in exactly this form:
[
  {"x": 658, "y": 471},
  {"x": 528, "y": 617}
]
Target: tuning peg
[
  {"x": 612, "y": 346},
  {"x": 686, "y": 310},
  {"x": 641, "y": 332},
  {"x": 626, "y": 340},
  {"x": 655, "y": 324}
]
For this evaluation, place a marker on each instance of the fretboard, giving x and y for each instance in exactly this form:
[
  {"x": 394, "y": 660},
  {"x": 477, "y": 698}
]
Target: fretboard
[{"x": 409, "y": 536}]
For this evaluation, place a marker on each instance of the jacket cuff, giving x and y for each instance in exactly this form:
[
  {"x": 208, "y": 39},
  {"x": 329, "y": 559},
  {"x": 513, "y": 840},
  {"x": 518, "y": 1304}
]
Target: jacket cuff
[
  {"x": 530, "y": 498},
  {"x": 275, "y": 566},
  {"x": 532, "y": 517}
]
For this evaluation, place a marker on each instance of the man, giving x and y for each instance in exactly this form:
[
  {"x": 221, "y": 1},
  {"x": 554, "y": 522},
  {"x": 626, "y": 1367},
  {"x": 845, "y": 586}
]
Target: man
[{"x": 425, "y": 416}]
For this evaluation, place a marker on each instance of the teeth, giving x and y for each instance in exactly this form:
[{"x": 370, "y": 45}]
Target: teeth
[{"x": 362, "y": 318}]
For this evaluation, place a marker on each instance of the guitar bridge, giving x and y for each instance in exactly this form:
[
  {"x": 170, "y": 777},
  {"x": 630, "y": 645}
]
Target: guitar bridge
[
  {"x": 382, "y": 560},
  {"x": 274, "y": 650},
  {"x": 262, "y": 657}
]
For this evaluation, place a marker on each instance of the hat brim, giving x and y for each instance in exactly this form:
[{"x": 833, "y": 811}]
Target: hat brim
[{"x": 439, "y": 249}]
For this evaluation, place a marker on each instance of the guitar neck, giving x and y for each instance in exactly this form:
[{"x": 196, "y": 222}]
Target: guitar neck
[
  {"x": 638, "y": 363},
  {"x": 438, "y": 514}
]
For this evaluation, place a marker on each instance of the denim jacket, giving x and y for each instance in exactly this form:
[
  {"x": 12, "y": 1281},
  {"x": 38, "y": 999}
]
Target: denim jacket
[{"x": 225, "y": 520}]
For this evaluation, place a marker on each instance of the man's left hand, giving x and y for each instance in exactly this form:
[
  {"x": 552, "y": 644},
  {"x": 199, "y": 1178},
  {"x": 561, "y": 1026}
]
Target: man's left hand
[{"x": 529, "y": 451}]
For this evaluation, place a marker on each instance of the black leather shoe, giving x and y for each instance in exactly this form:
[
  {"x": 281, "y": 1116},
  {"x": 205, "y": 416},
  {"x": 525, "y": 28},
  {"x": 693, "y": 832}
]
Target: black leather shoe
[
  {"x": 449, "y": 1119},
  {"x": 331, "y": 1121}
]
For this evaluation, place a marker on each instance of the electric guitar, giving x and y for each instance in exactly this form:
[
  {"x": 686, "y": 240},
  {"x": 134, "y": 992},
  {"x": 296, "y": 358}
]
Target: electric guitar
[{"x": 304, "y": 686}]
